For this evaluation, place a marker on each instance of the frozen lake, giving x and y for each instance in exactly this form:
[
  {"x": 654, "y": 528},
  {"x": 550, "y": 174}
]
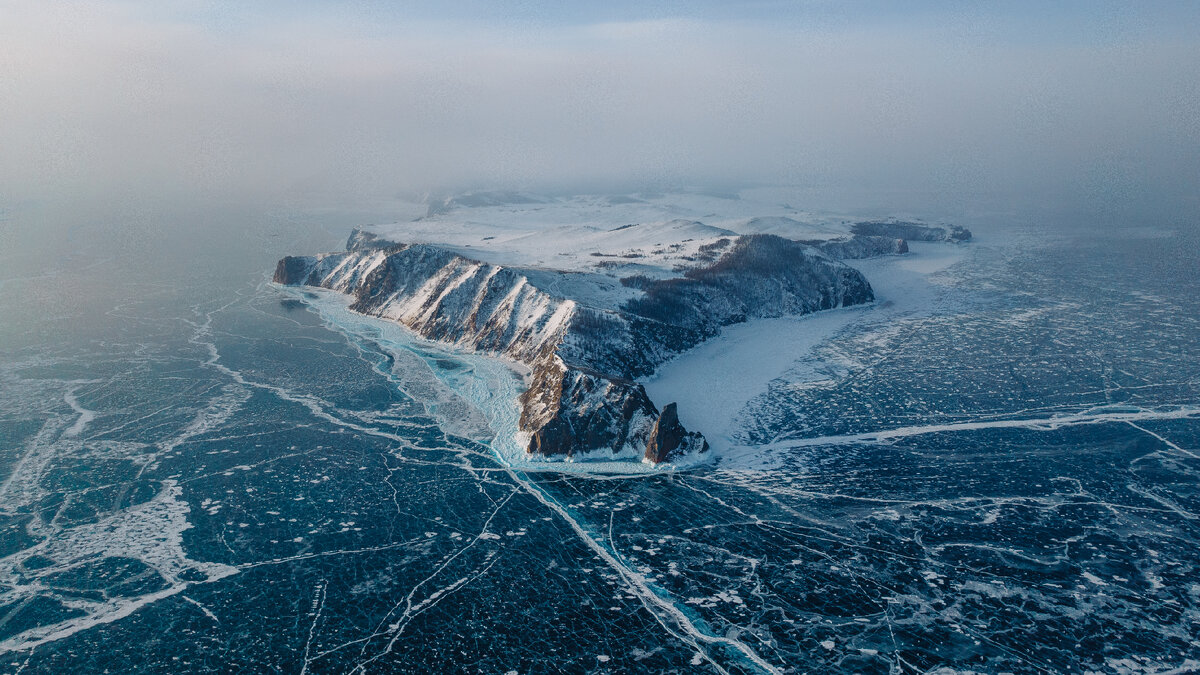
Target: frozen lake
[{"x": 992, "y": 469}]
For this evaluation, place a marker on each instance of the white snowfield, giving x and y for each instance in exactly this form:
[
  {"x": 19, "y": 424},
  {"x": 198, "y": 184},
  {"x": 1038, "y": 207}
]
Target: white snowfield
[
  {"x": 632, "y": 234},
  {"x": 575, "y": 250}
]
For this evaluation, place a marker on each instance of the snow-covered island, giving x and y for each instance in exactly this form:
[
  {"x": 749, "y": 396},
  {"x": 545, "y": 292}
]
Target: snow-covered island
[{"x": 594, "y": 293}]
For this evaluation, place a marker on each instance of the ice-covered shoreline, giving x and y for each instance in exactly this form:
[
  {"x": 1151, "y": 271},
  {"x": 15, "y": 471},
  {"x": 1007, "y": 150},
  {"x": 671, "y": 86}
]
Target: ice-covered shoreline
[
  {"x": 716, "y": 382},
  {"x": 490, "y": 384},
  {"x": 713, "y": 383},
  {"x": 617, "y": 310}
]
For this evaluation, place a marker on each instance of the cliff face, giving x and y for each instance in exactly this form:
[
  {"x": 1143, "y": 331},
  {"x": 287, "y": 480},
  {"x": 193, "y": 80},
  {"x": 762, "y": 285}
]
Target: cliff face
[
  {"x": 911, "y": 231},
  {"x": 668, "y": 439},
  {"x": 586, "y": 351},
  {"x": 569, "y": 410},
  {"x": 440, "y": 295},
  {"x": 860, "y": 246},
  {"x": 759, "y": 276}
]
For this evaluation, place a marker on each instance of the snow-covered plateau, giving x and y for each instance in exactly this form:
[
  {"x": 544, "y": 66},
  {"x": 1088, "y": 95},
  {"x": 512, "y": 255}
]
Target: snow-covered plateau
[{"x": 594, "y": 294}]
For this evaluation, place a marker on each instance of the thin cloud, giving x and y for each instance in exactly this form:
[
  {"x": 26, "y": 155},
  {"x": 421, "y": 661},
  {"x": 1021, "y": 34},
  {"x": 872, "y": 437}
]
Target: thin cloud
[{"x": 98, "y": 98}]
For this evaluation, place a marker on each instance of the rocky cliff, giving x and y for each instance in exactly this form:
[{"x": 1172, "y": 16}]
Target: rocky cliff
[
  {"x": 860, "y": 246},
  {"x": 585, "y": 342},
  {"x": 911, "y": 231}
]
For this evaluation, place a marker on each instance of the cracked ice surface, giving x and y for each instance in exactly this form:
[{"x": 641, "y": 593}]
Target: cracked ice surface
[{"x": 1002, "y": 477}]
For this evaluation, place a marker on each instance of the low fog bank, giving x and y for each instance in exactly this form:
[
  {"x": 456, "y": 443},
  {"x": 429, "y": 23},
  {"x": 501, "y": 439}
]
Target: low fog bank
[{"x": 162, "y": 110}]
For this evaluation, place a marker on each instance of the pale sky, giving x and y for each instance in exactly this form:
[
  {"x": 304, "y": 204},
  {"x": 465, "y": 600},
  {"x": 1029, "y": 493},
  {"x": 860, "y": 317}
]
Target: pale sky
[{"x": 1082, "y": 103}]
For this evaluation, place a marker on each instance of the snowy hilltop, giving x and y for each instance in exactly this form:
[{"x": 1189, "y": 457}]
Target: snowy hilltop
[{"x": 593, "y": 293}]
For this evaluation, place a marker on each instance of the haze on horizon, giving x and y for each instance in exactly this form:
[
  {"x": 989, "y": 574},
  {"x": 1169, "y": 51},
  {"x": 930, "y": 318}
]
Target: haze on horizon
[{"x": 1091, "y": 107}]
